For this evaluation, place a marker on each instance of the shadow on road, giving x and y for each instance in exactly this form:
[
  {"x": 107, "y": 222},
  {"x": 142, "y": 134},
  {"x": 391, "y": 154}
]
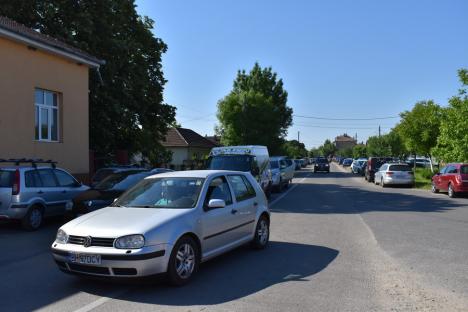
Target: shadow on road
[
  {"x": 334, "y": 198},
  {"x": 241, "y": 273}
]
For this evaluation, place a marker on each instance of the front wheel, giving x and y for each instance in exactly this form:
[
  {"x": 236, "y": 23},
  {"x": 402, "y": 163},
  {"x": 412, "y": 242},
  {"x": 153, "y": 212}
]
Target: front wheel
[
  {"x": 262, "y": 233},
  {"x": 184, "y": 261},
  {"x": 33, "y": 219},
  {"x": 451, "y": 192}
]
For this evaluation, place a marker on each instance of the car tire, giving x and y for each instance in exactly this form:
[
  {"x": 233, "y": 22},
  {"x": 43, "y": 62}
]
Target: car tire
[
  {"x": 33, "y": 219},
  {"x": 184, "y": 261},
  {"x": 451, "y": 192},
  {"x": 382, "y": 184},
  {"x": 262, "y": 233},
  {"x": 434, "y": 189},
  {"x": 268, "y": 191}
]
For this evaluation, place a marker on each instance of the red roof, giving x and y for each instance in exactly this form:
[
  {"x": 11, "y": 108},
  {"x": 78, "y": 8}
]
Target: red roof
[{"x": 182, "y": 137}]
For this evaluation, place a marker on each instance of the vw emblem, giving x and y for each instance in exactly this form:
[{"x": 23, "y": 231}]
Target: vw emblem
[{"x": 87, "y": 241}]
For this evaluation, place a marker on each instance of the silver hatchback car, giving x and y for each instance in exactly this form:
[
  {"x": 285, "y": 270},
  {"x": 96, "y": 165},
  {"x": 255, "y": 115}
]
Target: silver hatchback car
[
  {"x": 394, "y": 173},
  {"x": 30, "y": 193},
  {"x": 167, "y": 223}
]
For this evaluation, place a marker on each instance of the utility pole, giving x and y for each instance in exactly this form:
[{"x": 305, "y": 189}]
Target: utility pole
[
  {"x": 298, "y": 132},
  {"x": 379, "y": 131}
]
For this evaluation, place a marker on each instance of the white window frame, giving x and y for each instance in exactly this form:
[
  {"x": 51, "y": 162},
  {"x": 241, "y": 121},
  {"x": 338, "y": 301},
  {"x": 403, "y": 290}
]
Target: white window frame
[{"x": 50, "y": 109}]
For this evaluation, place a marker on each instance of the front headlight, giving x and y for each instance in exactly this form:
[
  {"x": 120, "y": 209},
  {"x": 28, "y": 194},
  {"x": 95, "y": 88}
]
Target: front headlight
[
  {"x": 135, "y": 241},
  {"x": 61, "y": 237}
]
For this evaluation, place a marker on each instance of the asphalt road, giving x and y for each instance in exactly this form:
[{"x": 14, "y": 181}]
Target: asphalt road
[{"x": 338, "y": 243}]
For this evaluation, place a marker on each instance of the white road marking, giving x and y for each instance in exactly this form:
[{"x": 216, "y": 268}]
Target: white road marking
[
  {"x": 289, "y": 190},
  {"x": 93, "y": 305}
]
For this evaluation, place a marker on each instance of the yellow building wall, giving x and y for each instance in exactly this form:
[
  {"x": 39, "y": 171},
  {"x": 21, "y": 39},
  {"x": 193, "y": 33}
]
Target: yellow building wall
[{"x": 21, "y": 71}]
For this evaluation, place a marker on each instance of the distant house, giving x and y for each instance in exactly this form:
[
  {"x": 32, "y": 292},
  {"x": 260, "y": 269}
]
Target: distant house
[
  {"x": 189, "y": 149},
  {"x": 344, "y": 141},
  {"x": 44, "y": 89},
  {"x": 216, "y": 139}
]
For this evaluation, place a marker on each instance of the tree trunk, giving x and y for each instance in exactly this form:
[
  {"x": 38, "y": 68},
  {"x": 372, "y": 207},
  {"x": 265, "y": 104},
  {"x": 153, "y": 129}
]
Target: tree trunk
[{"x": 430, "y": 162}]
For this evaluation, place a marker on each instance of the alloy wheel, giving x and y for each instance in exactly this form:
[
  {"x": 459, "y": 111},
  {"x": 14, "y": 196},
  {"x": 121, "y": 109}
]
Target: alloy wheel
[
  {"x": 35, "y": 218},
  {"x": 262, "y": 232},
  {"x": 185, "y": 261}
]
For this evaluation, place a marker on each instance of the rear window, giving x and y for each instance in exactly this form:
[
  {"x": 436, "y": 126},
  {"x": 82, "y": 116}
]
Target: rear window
[
  {"x": 400, "y": 168},
  {"x": 464, "y": 169},
  {"x": 6, "y": 178},
  {"x": 321, "y": 161}
]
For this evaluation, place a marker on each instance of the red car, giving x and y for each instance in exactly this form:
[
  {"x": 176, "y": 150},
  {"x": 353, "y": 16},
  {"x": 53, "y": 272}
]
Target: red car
[{"x": 453, "y": 178}]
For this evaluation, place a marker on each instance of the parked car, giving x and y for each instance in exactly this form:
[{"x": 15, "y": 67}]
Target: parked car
[
  {"x": 394, "y": 173},
  {"x": 251, "y": 158},
  {"x": 298, "y": 164},
  {"x": 102, "y": 173},
  {"x": 282, "y": 172},
  {"x": 30, "y": 193},
  {"x": 357, "y": 165},
  {"x": 453, "y": 179},
  {"x": 347, "y": 162},
  {"x": 321, "y": 164},
  {"x": 168, "y": 223},
  {"x": 373, "y": 164},
  {"x": 304, "y": 162},
  {"x": 105, "y": 192}
]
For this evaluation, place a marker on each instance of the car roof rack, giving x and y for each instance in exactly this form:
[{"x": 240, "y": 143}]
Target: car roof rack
[{"x": 32, "y": 161}]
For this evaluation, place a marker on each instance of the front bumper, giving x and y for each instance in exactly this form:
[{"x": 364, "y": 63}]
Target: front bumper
[{"x": 147, "y": 261}]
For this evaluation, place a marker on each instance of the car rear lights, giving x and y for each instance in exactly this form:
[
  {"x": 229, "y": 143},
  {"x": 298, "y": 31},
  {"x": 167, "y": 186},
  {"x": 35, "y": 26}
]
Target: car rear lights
[
  {"x": 389, "y": 173},
  {"x": 459, "y": 179},
  {"x": 15, "y": 189}
]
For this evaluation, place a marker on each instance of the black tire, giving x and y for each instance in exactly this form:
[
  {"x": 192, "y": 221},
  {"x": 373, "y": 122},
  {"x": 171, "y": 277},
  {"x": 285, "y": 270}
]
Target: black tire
[
  {"x": 178, "y": 279},
  {"x": 260, "y": 241},
  {"x": 32, "y": 221},
  {"x": 434, "y": 189},
  {"x": 382, "y": 184},
  {"x": 268, "y": 191},
  {"x": 451, "y": 192}
]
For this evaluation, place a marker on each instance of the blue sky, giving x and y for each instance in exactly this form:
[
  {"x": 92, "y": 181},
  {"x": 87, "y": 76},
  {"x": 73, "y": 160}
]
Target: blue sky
[{"x": 337, "y": 59}]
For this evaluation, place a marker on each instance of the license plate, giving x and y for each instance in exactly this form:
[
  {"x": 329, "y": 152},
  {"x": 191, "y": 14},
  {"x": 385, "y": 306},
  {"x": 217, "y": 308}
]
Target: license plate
[{"x": 85, "y": 258}]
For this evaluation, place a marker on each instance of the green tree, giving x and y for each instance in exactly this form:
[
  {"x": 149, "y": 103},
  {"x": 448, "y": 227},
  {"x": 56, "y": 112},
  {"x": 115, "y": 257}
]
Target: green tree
[
  {"x": 294, "y": 149},
  {"x": 327, "y": 149},
  {"x": 452, "y": 143},
  {"x": 420, "y": 127},
  {"x": 314, "y": 152},
  {"x": 359, "y": 151},
  {"x": 126, "y": 94},
  {"x": 376, "y": 146},
  {"x": 255, "y": 111}
]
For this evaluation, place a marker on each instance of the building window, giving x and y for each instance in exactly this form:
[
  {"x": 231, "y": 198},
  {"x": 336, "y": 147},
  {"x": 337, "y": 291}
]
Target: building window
[{"x": 46, "y": 112}]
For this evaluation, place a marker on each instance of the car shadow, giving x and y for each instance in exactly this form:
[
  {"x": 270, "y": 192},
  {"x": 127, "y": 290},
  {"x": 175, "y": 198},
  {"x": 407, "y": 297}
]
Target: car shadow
[{"x": 239, "y": 273}]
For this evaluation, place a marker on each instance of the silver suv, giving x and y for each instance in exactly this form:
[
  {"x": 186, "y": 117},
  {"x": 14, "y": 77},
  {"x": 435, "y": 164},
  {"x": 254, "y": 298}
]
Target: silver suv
[{"x": 30, "y": 193}]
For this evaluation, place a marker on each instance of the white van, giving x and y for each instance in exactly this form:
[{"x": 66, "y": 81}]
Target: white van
[{"x": 248, "y": 158}]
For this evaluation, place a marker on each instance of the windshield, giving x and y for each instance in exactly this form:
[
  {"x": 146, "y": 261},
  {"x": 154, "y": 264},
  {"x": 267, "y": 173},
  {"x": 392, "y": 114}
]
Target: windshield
[
  {"x": 274, "y": 164},
  {"x": 230, "y": 162},
  {"x": 101, "y": 174},
  {"x": 163, "y": 193},
  {"x": 6, "y": 178},
  {"x": 321, "y": 161},
  {"x": 121, "y": 180}
]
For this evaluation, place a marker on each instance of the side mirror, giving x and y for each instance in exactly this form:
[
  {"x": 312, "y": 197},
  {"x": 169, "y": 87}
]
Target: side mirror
[{"x": 216, "y": 203}]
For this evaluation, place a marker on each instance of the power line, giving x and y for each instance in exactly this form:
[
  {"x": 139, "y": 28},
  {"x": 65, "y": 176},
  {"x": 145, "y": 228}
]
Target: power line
[
  {"x": 326, "y": 118},
  {"x": 325, "y": 127}
]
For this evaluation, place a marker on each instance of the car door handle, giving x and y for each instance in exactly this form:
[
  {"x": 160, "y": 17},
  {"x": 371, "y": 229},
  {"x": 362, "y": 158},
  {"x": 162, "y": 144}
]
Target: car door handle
[
  {"x": 255, "y": 204},
  {"x": 234, "y": 211},
  {"x": 40, "y": 192}
]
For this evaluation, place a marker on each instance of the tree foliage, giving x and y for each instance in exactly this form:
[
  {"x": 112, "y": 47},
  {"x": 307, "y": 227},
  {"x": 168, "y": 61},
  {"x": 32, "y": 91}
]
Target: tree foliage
[
  {"x": 452, "y": 143},
  {"x": 420, "y": 127},
  {"x": 327, "y": 149},
  {"x": 294, "y": 149},
  {"x": 359, "y": 150},
  {"x": 126, "y": 106},
  {"x": 255, "y": 111}
]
